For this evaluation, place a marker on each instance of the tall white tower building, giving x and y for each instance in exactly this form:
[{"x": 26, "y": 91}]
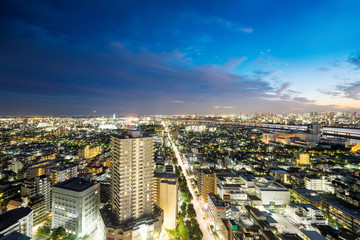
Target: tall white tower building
[{"x": 132, "y": 176}]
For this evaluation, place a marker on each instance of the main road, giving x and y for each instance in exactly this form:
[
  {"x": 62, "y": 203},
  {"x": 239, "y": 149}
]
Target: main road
[{"x": 200, "y": 215}]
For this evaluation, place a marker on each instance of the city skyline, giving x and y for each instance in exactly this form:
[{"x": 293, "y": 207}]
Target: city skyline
[{"x": 179, "y": 57}]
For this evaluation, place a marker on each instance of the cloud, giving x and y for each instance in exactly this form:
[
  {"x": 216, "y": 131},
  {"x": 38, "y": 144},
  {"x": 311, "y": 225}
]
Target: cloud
[
  {"x": 283, "y": 88},
  {"x": 323, "y": 69},
  {"x": 81, "y": 62},
  {"x": 302, "y": 100},
  {"x": 232, "y": 26},
  {"x": 264, "y": 73},
  {"x": 346, "y": 90},
  {"x": 354, "y": 59},
  {"x": 232, "y": 63},
  {"x": 246, "y": 30},
  {"x": 350, "y": 90}
]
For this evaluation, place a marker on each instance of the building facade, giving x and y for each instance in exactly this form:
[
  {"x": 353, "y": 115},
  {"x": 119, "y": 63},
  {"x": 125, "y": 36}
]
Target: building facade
[
  {"x": 75, "y": 206},
  {"x": 132, "y": 213},
  {"x": 19, "y": 219},
  {"x": 63, "y": 173},
  {"x": 206, "y": 183},
  {"x": 132, "y": 176},
  {"x": 217, "y": 210}
]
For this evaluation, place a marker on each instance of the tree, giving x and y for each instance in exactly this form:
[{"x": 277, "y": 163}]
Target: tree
[
  {"x": 191, "y": 213},
  {"x": 58, "y": 233},
  {"x": 70, "y": 237},
  {"x": 183, "y": 208}
]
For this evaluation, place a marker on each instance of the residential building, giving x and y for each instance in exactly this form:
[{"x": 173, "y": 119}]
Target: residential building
[
  {"x": 166, "y": 197},
  {"x": 19, "y": 219},
  {"x": 132, "y": 179},
  {"x": 301, "y": 159},
  {"x": 158, "y": 177},
  {"x": 169, "y": 202},
  {"x": 38, "y": 205},
  {"x": 306, "y": 196},
  {"x": 217, "y": 210},
  {"x": 305, "y": 214},
  {"x": 62, "y": 173},
  {"x": 320, "y": 184},
  {"x": 348, "y": 217},
  {"x": 206, "y": 183},
  {"x": 89, "y": 151},
  {"x": 40, "y": 185},
  {"x": 132, "y": 213}
]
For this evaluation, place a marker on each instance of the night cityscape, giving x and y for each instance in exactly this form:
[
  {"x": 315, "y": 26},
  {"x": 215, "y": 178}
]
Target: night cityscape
[{"x": 185, "y": 120}]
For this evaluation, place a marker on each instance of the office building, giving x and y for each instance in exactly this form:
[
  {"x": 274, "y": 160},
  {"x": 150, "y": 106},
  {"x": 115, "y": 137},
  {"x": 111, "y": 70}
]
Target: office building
[
  {"x": 75, "y": 206},
  {"x": 19, "y": 219},
  {"x": 272, "y": 193},
  {"x": 206, "y": 183}
]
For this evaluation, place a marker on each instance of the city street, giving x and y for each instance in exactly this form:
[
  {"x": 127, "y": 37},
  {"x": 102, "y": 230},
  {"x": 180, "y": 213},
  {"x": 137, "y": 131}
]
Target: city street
[{"x": 200, "y": 216}]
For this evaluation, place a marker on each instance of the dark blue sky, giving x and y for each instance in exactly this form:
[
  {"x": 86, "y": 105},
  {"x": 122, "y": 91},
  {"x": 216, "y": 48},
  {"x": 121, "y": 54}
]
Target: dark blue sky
[{"x": 157, "y": 57}]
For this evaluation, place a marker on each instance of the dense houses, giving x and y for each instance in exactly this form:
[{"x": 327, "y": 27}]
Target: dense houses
[{"x": 248, "y": 182}]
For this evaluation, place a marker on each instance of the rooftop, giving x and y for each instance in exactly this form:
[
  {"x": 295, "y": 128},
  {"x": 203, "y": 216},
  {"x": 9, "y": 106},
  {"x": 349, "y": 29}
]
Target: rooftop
[
  {"x": 15, "y": 235},
  {"x": 75, "y": 184},
  {"x": 165, "y": 175},
  {"x": 313, "y": 235},
  {"x": 12, "y": 217},
  {"x": 216, "y": 201}
]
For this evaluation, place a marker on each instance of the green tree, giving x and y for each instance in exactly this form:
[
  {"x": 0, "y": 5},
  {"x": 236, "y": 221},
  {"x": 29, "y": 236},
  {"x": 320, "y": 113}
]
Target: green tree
[
  {"x": 191, "y": 213},
  {"x": 58, "y": 233}
]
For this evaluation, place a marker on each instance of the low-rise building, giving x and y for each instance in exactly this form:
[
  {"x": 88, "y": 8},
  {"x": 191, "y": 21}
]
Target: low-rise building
[
  {"x": 19, "y": 219},
  {"x": 307, "y": 196},
  {"x": 272, "y": 193},
  {"x": 320, "y": 184},
  {"x": 305, "y": 214},
  {"x": 62, "y": 173},
  {"x": 350, "y": 218},
  {"x": 217, "y": 210}
]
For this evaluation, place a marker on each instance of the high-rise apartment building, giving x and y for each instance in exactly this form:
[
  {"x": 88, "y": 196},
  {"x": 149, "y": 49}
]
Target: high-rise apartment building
[
  {"x": 132, "y": 175},
  {"x": 206, "y": 183},
  {"x": 132, "y": 213}
]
